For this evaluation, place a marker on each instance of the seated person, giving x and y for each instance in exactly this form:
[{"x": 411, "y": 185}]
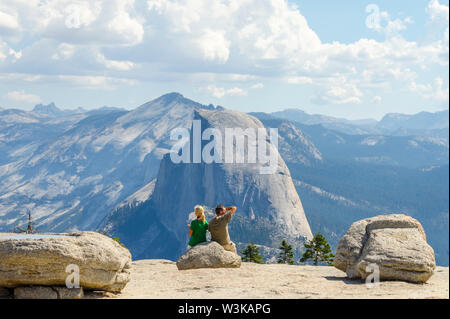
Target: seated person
[
  {"x": 198, "y": 227},
  {"x": 218, "y": 227}
]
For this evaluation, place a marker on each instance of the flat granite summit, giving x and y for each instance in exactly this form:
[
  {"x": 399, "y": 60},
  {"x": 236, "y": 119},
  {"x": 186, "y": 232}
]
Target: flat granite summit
[{"x": 160, "y": 279}]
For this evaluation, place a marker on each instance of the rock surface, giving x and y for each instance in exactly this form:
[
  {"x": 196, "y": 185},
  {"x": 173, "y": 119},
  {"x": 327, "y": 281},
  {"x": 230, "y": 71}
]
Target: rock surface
[
  {"x": 395, "y": 243},
  {"x": 45, "y": 292},
  {"x": 161, "y": 279},
  {"x": 37, "y": 292},
  {"x": 208, "y": 255},
  {"x": 69, "y": 293},
  {"x": 103, "y": 263}
]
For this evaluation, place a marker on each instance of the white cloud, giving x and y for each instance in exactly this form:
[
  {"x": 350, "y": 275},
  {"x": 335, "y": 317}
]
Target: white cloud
[
  {"x": 7, "y": 53},
  {"x": 214, "y": 46},
  {"x": 441, "y": 93},
  {"x": 3, "y": 50},
  {"x": 439, "y": 29},
  {"x": 112, "y": 22},
  {"x": 299, "y": 80},
  {"x": 116, "y": 65},
  {"x": 435, "y": 91},
  {"x": 68, "y": 59},
  {"x": 77, "y": 81},
  {"x": 338, "y": 91},
  {"x": 221, "y": 92},
  {"x": 240, "y": 77},
  {"x": 64, "y": 51},
  {"x": 8, "y": 22},
  {"x": 236, "y": 91},
  {"x": 97, "y": 82},
  {"x": 257, "y": 86},
  {"x": 437, "y": 11},
  {"x": 21, "y": 96},
  {"x": 397, "y": 25},
  {"x": 80, "y": 15},
  {"x": 15, "y": 55},
  {"x": 123, "y": 25},
  {"x": 381, "y": 21},
  {"x": 19, "y": 77},
  {"x": 257, "y": 29},
  {"x": 377, "y": 99},
  {"x": 393, "y": 27},
  {"x": 112, "y": 42}
]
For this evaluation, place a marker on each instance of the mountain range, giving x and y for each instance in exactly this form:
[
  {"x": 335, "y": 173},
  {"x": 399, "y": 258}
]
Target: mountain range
[
  {"x": 423, "y": 124},
  {"x": 72, "y": 170},
  {"x": 108, "y": 169}
]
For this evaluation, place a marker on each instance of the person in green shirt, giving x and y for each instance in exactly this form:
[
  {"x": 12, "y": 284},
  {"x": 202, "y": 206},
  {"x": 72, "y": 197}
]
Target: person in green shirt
[{"x": 198, "y": 227}]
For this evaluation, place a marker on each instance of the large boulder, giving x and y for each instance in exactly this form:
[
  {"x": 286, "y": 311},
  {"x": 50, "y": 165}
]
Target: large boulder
[
  {"x": 208, "y": 255},
  {"x": 42, "y": 260},
  {"x": 395, "y": 243}
]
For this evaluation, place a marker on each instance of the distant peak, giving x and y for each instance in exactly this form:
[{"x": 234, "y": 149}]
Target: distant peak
[
  {"x": 175, "y": 99},
  {"x": 49, "y": 109},
  {"x": 50, "y": 105},
  {"x": 174, "y": 94},
  {"x": 171, "y": 96}
]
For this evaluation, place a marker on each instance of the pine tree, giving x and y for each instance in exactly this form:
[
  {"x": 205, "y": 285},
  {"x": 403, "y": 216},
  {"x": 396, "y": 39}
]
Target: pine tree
[
  {"x": 318, "y": 250},
  {"x": 252, "y": 254},
  {"x": 286, "y": 254}
]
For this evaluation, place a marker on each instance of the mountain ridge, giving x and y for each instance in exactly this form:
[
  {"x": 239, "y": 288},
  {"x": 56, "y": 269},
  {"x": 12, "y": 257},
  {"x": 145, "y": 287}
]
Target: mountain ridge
[{"x": 423, "y": 123}]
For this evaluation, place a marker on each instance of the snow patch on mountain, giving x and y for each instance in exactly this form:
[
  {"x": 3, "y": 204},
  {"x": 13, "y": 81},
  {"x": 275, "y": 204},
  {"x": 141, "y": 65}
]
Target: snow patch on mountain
[
  {"x": 373, "y": 140},
  {"x": 326, "y": 194},
  {"x": 140, "y": 196}
]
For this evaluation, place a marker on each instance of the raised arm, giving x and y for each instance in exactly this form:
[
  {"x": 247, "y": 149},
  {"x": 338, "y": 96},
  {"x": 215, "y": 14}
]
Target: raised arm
[{"x": 232, "y": 210}]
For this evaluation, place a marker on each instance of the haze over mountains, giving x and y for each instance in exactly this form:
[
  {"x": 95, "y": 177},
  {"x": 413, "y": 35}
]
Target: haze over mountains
[
  {"x": 99, "y": 169},
  {"x": 420, "y": 124}
]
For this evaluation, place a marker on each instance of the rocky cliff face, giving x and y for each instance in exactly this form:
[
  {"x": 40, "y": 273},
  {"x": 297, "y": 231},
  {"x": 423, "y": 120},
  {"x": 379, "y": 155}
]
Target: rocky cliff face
[{"x": 269, "y": 208}]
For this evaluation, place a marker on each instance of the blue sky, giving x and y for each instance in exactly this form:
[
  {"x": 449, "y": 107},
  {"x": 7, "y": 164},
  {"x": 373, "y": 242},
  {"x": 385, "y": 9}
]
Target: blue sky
[{"x": 353, "y": 59}]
